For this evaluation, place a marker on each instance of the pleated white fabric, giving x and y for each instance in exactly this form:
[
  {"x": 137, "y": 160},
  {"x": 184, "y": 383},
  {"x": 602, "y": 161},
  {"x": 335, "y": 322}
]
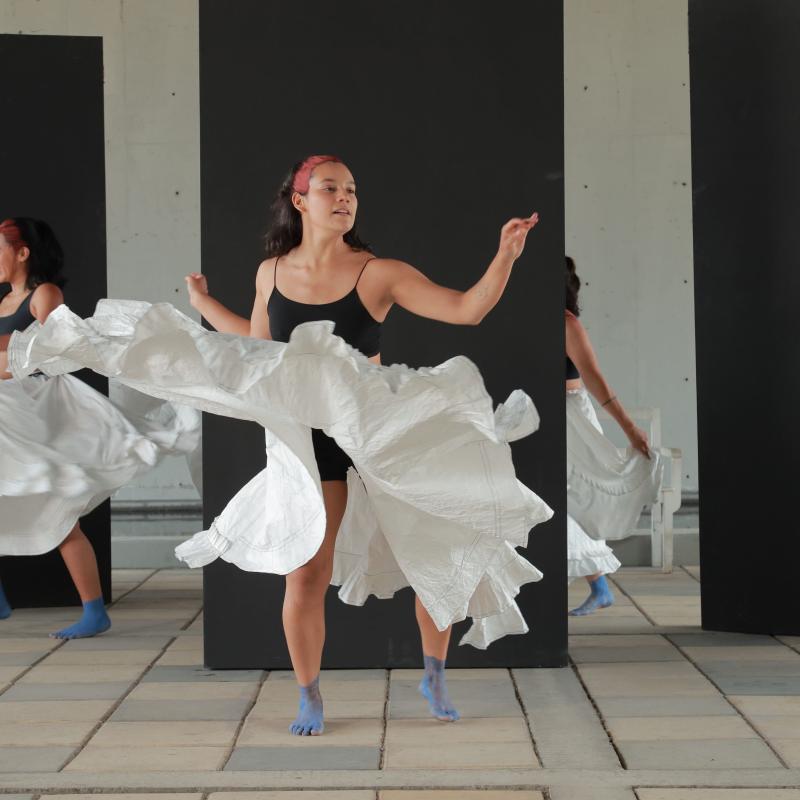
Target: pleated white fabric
[
  {"x": 606, "y": 487},
  {"x": 64, "y": 448},
  {"x": 435, "y": 503}
]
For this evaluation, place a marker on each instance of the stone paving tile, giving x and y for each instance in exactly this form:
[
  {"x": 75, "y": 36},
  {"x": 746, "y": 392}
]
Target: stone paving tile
[
  {"x": 314, "y": 757},
  {"x": 462, "y": 755},
  {"x": 33, "y": 759},
  {"x": 719, "y": 794},
  {"x": 761, "y": 653},
  {"x": 763, "y": 684},
  {"x": 624, "y": 655},
  {"x": 65, "y": 691},
  {"x": 590, "y": 793},
  {"x": 123, "y": 796},
  {"x": 323, "y": 794},
  {"x": 22, "y": 659},
  {"x": 207, "y": 690},
  {"x": 148, "y": 759},
  {"x": 114, "y": 642},
  {"x": 693, "y": 570},
  {"x": 699, "y": 754},
  {"x": 766, "y": 704},
  {"x": 339, "y": 732},
  {"x": 458, "y": 794},
  {"x": 17, "y": 797},
  {"x": 180, "y": 710},
  {"x": 68, "y": 657},
  {"x": 22, "y": 644},
  {"x": 173, "y": 733},
  {"x": 722, "y": 639},
  {"x": 45, "y": 734},
  {"x": 44, "y": 711},
  {"x": 480, "y": 698},
  {"x": 8, "y": 674},
  {"x": 200, "y": 674},
  {"x": 645, "y": 729},
  {"x": 778, "y": 727},
  {"x": 477, "y": 674},
  {"x": 565, "y": 725},
  {"x": 664, "y": 706},
  {"x": 83, "y": 673},
  {"x": 334, "y": 675},
  {"x": 645, "y": 679},
  {"x": 404, "y": 732}
]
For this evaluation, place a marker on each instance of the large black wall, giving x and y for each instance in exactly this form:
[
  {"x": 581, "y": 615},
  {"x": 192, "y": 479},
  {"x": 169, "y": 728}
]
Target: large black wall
[
  {"x": 745, "y": 78},
  {"x": 52, "y": 166},
  {"x": 451, "y": 118}
]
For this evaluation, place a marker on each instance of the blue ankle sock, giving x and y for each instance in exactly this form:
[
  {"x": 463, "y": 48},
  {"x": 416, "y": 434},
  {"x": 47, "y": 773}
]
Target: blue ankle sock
[
  {"x": 309, "y": 720},
  {"x": 93, "y": 621},
  {"x": 5, "y": 607},
  {"x": 434, "y": 690},
  {"x": 600, "y": 596}
]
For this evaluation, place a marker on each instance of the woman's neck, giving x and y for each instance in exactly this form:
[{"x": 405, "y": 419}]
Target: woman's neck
[
  {"x": 319, "y": 249},
  {"x": 19, "y": 284}
]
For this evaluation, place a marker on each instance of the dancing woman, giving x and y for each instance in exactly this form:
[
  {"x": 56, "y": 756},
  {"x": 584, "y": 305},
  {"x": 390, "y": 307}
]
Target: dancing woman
[
  {"x": 435, "y": 503},
  {"x": 64, "y": 448},
  {"x": 607, "y": 503},
  {"x": 319, "y": 269}
]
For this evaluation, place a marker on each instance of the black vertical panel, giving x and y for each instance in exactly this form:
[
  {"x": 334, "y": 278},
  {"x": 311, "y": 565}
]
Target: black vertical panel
[
  {"x": 451, "y": 118},
  {"x": 745, "y": 73},
  {"x": 52, "y": 163}
]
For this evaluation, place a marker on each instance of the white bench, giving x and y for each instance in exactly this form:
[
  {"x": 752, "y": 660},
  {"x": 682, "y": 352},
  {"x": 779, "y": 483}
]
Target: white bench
[{"x": 669, "y": 498}]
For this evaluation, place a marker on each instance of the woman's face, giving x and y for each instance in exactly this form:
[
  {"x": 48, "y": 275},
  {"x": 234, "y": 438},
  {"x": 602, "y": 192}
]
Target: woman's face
[
  {"x": 10, "y": 260},
  {"x": 331, "y": 198}
]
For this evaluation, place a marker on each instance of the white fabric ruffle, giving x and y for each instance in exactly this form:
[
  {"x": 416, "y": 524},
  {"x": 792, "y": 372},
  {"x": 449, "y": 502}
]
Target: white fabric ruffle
[
  {"x": 587, "y": 556},
  {"x": 606, "y": 487},
  {"x": 64, "y": 448},
  {"x": 435, "y": 504}
]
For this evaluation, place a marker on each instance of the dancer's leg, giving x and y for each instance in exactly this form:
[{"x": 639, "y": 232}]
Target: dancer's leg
[
  {"x": 304, "y": 614},
  {"x": 434, "y": 652},
  {"x": 78, "y": 555},
  {"x": 5, "y": 606},
  {"x": 600, "y": 596}
]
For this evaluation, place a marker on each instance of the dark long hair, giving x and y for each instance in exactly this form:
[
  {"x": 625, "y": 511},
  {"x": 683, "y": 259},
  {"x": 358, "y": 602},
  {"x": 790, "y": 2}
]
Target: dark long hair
[
  {"x": 46, "y": 258},
  {"x": 286, "y": 227},
  {"x": 573, "y": 287}
]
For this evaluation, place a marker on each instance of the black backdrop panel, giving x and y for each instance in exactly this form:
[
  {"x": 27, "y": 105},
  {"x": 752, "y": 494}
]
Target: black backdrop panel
[
  {"x": 52, "y": 162},
  {"x": 745, "y": 73},
  {"x": 451, "y": 118}
]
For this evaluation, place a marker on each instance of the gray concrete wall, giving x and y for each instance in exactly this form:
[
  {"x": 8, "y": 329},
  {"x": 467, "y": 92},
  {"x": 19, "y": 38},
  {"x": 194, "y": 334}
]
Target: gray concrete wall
[
  {"x": 152, "y": 122},
  {"x": 629, "y": 202}
]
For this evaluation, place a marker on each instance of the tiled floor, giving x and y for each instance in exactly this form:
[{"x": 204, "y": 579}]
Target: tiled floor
[{"x": 652, "y": 708}]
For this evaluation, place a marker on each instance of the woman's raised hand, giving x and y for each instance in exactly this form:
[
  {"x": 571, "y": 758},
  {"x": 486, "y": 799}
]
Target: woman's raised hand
[
  {"x": 197, "y": 284},
  {"x": 513, "y": 233}
]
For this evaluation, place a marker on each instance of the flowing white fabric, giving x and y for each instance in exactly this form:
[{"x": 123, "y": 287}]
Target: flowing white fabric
[
  {"x": 64, "y": 448},
  {"x": 435, "y": 503},
  {"x": 606, "y": 487}
]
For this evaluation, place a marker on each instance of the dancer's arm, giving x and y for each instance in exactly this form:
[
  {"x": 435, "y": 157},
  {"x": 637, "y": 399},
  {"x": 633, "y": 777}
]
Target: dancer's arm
[
  {"x": 409, "y": 288},
  {"x": 223, "y": 319},
  {"x": 580, "y": 350},
  {"x": 46, "y": 298}
]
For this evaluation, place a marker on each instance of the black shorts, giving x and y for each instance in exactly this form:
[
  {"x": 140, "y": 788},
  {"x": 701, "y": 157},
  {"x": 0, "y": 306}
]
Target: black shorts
[{"x": 332, "y": 461}]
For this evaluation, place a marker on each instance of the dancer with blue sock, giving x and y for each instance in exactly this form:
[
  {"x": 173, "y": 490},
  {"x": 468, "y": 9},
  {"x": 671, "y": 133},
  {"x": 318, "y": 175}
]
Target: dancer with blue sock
[
  {"x": 606, "y": 506},
  {"x": 317, "y": 268},
  {"x": 64, "y": 448}
]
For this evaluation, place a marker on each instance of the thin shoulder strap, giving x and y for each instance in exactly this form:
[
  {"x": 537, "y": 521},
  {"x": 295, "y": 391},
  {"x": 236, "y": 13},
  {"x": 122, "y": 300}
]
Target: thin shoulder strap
[
  {"x": 275, "y": 273},
  {"x": 371, "y": 258}
]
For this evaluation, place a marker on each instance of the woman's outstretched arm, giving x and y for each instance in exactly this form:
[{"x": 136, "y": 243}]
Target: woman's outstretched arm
[
  {"x": 410, "y": 289},
  {"x": 580, "y": 350},
  {"x": 223, "y": 319}
]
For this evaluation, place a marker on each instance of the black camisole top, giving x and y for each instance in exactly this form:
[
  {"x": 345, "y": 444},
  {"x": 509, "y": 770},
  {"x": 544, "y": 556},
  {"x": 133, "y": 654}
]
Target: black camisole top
[
  {"x": 572, "y": 370},
  {"x": 352, "y": 320},
  {"x": 20, "y": 319}
]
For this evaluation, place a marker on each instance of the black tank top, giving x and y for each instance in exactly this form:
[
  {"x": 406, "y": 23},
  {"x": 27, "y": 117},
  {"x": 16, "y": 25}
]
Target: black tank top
[
  {"x": 572, "y": 370},
  {"x": 352, "y": 320},
  {"x": 20, "y": 319}
]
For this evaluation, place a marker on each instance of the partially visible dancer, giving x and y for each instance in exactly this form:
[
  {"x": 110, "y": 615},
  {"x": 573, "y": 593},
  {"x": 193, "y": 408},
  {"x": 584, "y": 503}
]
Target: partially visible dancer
[
  {"x": 606, "y": 488},
  {"x": 64, "y": 448}
]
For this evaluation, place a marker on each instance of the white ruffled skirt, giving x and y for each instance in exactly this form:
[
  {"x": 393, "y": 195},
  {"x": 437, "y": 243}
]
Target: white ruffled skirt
[
  {"x": 606, "y": 489},
  {"x": 435, "y": 503},
  {"x": 64, "y": 448}
]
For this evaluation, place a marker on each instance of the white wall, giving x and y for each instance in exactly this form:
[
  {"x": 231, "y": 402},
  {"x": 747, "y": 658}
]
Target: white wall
[
  {"x": 629, "y": 202},
  {"x": 152, "y": 128}
]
